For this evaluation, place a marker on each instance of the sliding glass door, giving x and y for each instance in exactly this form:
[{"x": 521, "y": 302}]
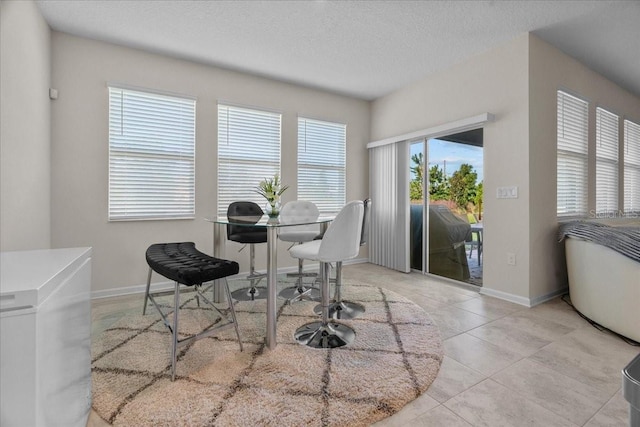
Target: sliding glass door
[
  {"x": 445, "y": 227},
  {"x": 417, "y": 182}
]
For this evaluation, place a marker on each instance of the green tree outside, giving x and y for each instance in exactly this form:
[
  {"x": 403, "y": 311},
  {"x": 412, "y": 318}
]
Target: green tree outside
[
  {"x": 478, "y": 199},
  {"x": 438, "y": 184},
  {"x": 463, "y": 186},
  {"x": 415, "y": 186}
]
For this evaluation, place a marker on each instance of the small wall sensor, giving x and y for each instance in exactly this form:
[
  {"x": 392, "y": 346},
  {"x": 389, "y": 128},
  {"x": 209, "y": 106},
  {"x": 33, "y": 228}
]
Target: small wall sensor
[{"x": 53, "y": 93}]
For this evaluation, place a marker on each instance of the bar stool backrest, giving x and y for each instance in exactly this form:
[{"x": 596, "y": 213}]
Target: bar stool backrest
[
  {"x": 366, "y": 219},
  {"x": 242, "y": 233},
  {"x": 341, "y": 241},
  {"x": 300, "y": 210}
]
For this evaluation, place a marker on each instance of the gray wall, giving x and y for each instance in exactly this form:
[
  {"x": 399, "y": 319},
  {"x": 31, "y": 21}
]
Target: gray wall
[
  {"x": 25, "y": 64},
  {"x": 81, "y": 70}
]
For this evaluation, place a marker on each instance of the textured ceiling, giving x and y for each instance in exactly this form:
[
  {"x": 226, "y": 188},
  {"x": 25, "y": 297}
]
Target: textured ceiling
[{"x": 364, "y": 49}]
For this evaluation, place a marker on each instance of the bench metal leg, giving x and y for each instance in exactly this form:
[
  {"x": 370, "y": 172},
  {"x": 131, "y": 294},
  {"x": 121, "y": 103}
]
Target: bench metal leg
[
  {"x": 146, "y": 294},
  {"x": 174, "y": 335},
  {"x": 173, "y": 326},
  {"x": 233, "y": 312}
]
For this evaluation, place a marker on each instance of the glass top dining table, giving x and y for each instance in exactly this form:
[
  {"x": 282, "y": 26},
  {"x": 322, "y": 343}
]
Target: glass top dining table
[{"x": 272, "y": 225}]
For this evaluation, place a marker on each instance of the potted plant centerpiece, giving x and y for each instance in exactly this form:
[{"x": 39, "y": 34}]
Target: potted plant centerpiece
[{"x": 271, "y": 189}]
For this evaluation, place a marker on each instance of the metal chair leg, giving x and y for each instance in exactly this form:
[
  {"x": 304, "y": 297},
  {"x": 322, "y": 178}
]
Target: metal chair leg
[
  {"x": 299, "y": 292},
  {"x": 325, "y": 334},
  {"x": 340, "y": 309},
  {"x": 252, "y": 292}
]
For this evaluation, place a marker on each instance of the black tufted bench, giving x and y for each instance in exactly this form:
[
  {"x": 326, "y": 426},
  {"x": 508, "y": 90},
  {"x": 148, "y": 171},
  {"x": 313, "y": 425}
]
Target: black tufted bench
[{"x": 184, "y": 264}]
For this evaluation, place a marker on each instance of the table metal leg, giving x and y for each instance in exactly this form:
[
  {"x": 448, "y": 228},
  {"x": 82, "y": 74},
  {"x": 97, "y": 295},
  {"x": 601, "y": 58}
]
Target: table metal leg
[
  {"x": 272, "y": 282},
  {"x": 218, "y": 252}
]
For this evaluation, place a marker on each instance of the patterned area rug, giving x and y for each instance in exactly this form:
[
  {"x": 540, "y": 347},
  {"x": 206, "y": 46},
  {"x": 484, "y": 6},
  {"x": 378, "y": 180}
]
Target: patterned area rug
[{"x": 395, "y": 357}]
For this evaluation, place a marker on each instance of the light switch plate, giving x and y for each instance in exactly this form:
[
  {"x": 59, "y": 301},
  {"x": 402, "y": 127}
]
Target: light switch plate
[{"x": 507, "y": 192}]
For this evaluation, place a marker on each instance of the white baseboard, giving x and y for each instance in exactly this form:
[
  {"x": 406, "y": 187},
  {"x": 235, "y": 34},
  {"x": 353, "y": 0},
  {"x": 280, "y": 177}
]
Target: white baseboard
[
  {"x": 547, "y": 297},
  {"x": 168, "y": 285},
  {"x": 506, "y": 296},
  {"x": 527, "y": 302},
  {"x": 130, "y": 290}
]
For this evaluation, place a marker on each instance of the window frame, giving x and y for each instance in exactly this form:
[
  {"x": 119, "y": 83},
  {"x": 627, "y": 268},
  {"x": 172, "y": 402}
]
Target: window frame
[
  {"x": 160, "y": 131},
  {"x": 236, "y": 125},
  {"x": 320, "y": 180},
  {"x": 572, "y": 151},
  {"x": 607, "y": 161},
  {"x": 631, "y": 164}
]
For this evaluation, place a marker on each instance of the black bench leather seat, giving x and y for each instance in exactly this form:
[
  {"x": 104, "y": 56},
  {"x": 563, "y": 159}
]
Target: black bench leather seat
[{"x": 183, "y": 263}]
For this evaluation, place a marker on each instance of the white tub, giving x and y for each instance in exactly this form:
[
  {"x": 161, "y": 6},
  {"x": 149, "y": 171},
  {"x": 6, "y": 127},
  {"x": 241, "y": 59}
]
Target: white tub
[{"x": 604, "y": 285}]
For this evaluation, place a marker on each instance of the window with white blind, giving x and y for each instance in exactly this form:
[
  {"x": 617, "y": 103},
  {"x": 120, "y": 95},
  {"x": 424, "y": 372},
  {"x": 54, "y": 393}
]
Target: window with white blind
[
  {"x": 248, "y": 152},
  {"x": 151, "y": 155},
  {"x": 572, "y": 140},
  {"x": 606, "y": 161},
  {"x": 631, "y": 167},
  {"x": 322, "y": 163}
]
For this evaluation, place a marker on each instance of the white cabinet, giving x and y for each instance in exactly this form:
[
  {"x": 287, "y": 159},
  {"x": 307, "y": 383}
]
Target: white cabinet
[{"x": 45, "y": 337}]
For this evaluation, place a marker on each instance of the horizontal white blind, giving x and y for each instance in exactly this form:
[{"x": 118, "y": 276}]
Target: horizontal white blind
[
  {"x": 151, "y": 155},
  {"x": 322, "y": 163},
  {"x": 572, "y": 141},
  {"x": 631, "y": 167},
  {"x": 606, "y": 161},
  {"x": 248, "y": 152}
]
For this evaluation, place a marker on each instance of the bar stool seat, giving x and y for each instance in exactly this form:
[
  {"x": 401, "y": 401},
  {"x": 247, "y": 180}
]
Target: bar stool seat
[{"x": 184, "y": 264}]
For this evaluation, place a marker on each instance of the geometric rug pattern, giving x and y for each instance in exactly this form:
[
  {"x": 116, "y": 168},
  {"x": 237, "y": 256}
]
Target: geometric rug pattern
[{"x": 396, "y": 355}]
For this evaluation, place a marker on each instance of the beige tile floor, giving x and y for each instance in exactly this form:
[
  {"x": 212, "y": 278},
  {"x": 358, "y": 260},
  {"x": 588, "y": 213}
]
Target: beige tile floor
[{"x": 504, "y": 365}]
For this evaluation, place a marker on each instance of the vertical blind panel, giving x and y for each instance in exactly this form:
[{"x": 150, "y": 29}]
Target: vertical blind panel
[
  {"x": 631, "y": 167},
  {"x": 389, "y": 230},
  {"x": 322, "y": 164},
  {"x": 248, "y": 152},
  {"x": 606, "y": 161},
  {"x": 151, "y": 155},
  {"x": 572, "y": 142}
]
